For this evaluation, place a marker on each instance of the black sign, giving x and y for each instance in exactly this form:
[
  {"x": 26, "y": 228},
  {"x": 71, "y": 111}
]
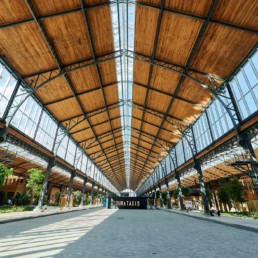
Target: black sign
[{"x": 130, "y": 202}]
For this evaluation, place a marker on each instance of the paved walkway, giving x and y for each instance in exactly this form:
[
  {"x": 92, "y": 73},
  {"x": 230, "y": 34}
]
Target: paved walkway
[
  {"x": 242, "y": 223},
  {"x": 98, "y": 233},
  {"x": 51, "y": 210}
]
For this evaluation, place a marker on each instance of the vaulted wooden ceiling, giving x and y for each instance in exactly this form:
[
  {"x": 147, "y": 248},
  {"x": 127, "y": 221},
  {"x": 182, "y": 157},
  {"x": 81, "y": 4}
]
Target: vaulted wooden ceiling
[{"x": 176, "y": 44}]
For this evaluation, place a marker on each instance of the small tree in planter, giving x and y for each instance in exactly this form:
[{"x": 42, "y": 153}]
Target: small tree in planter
[
  {"x": 77, "y": 197},
  {"x": 223, "y": 195},
  {"x": 236, "y": 191},
  {"x": 34, "y": 183},
  {"x": 4, "y": 173}
]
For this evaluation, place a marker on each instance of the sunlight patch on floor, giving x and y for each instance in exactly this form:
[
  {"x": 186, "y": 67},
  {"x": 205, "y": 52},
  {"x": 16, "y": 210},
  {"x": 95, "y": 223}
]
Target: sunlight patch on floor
[{"x": 51, "y": 239}]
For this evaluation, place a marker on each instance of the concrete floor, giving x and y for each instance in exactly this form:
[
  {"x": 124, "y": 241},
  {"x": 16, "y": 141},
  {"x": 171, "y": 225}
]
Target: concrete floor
[{"x": 124, "y": 233}]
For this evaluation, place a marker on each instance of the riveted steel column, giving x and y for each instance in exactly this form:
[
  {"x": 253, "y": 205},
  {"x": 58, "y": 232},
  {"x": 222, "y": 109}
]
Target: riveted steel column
[
  {"x": 92, "y": 194},
  {"x": 67, "y": 204},
  {"x": 83, "y": 191},
  {"x": 51, "y": 164},
  {"x": 168, "y": 195},
  {"x": 197, "y": 167},
  {"x": 180, "y": 194},
  {"x": 160, "y": 197}
]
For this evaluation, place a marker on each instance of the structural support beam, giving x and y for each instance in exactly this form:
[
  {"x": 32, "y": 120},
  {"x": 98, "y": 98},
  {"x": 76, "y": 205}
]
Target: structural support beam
[
  {"x": 92, "y": 194},
  {"x": 197, "y": 167},
  {"x": 51, "y": 164},
  {"x": 68, "y": 197},
  {"x": 83, "y": 191},
  {"x": 180, "y": 194}
]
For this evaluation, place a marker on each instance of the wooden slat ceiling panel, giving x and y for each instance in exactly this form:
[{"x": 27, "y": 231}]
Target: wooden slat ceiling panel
[
  {"x": 194, "y": 92},
  {"x": 111, "y": 94},
  {"x": 141, "y": 72},
  {"x": 84, "y": 79},
  {"x": 84, "y": 125},
  {"x": 150, "y": 2},
  {"x": 103, "y": 128},
  {"x": 241, "y": 12},
  {"x": 139, "y": 94},
  {"x": 114, "y": 113},
  {"x": 164, "y": 80},
  {"x": 47, "y": 7},
  {"x": 9, "y": 14},
  {"x": 152, "y": 119},
  {"x": 54, "y": 91},
  {"x": 218, "y": 46},
  {"x": 176, "y": 38},
  {"x": 199, "y": 8},
  {"x": 158, "y": 101},
  {"x": 184, "y": 111},
  {"x": 145, "y": 27},
  {"x": 101, "y": 29},
  {"x": 61, "y": 112},
  {"x": 100, "y": 118},
  {"x": 69, "y": 37},
  {"x": 94, "y": 2},
  {"x": 136, "y": 124},
  {"x": 149, "y": 128},
  {"x": 25, "y": 49},
  {"x": 108, "y": 72},
  {"x": 87, "y": 134},
  {"x": 116, "y": 123},
  {"x": 92, "y": 100}
]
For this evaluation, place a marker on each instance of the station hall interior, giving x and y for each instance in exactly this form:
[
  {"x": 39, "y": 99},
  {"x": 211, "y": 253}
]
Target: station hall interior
[{"x": 128, "y": 116}]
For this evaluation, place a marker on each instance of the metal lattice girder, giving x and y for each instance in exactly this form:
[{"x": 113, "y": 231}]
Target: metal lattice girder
[
  {"x": 117, "y": 137},
  {"x": 91, "y": 140},
  {"x": 164, "y": 167},
  {"x": 205, "y": 80},
  {"x": 169, "y": 95},
  {"x": 96, "y": 111},
  {"x": 162, "y": 142},
  {"x": 112, "y": 149},
  {"x": 15, "y": 141},
  {"x": 177, "y": 123},
  {"x": 106, "y": 121}
]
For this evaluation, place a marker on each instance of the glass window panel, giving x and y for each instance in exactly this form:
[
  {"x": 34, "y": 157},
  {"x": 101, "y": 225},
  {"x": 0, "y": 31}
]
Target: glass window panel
[
  {"x": 46, "y": 131},
  {"x": 254, "y": 59},
  {"x": 242, "y": 82},
  {"x": 252, "y": 79},
  {"x": 248, "y": 101},
  {"x": 7, "y": 85}
]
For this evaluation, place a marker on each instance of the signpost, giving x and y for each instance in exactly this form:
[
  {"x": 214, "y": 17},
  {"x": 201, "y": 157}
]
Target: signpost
[{"x": 131, "y": 202}]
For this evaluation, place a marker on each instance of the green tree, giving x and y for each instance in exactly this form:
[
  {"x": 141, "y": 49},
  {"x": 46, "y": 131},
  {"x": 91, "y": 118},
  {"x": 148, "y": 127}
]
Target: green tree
[
  {"x": 34, "y": 182},
  {"x": 209, "y": 195},
  {"x": 236, "y": 191},
  {"x": 157, "y": 194},
  {"x": 185, "y": 191},
  {"x": 77, "y": 197},
  {"x": 164, "y": 197},
  {"x": 4, "y": 173},
  {"x": 223, "y": 195}
]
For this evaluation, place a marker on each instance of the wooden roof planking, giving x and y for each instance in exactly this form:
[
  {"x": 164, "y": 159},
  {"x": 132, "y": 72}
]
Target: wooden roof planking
[{"x": 196, "y": 38}]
